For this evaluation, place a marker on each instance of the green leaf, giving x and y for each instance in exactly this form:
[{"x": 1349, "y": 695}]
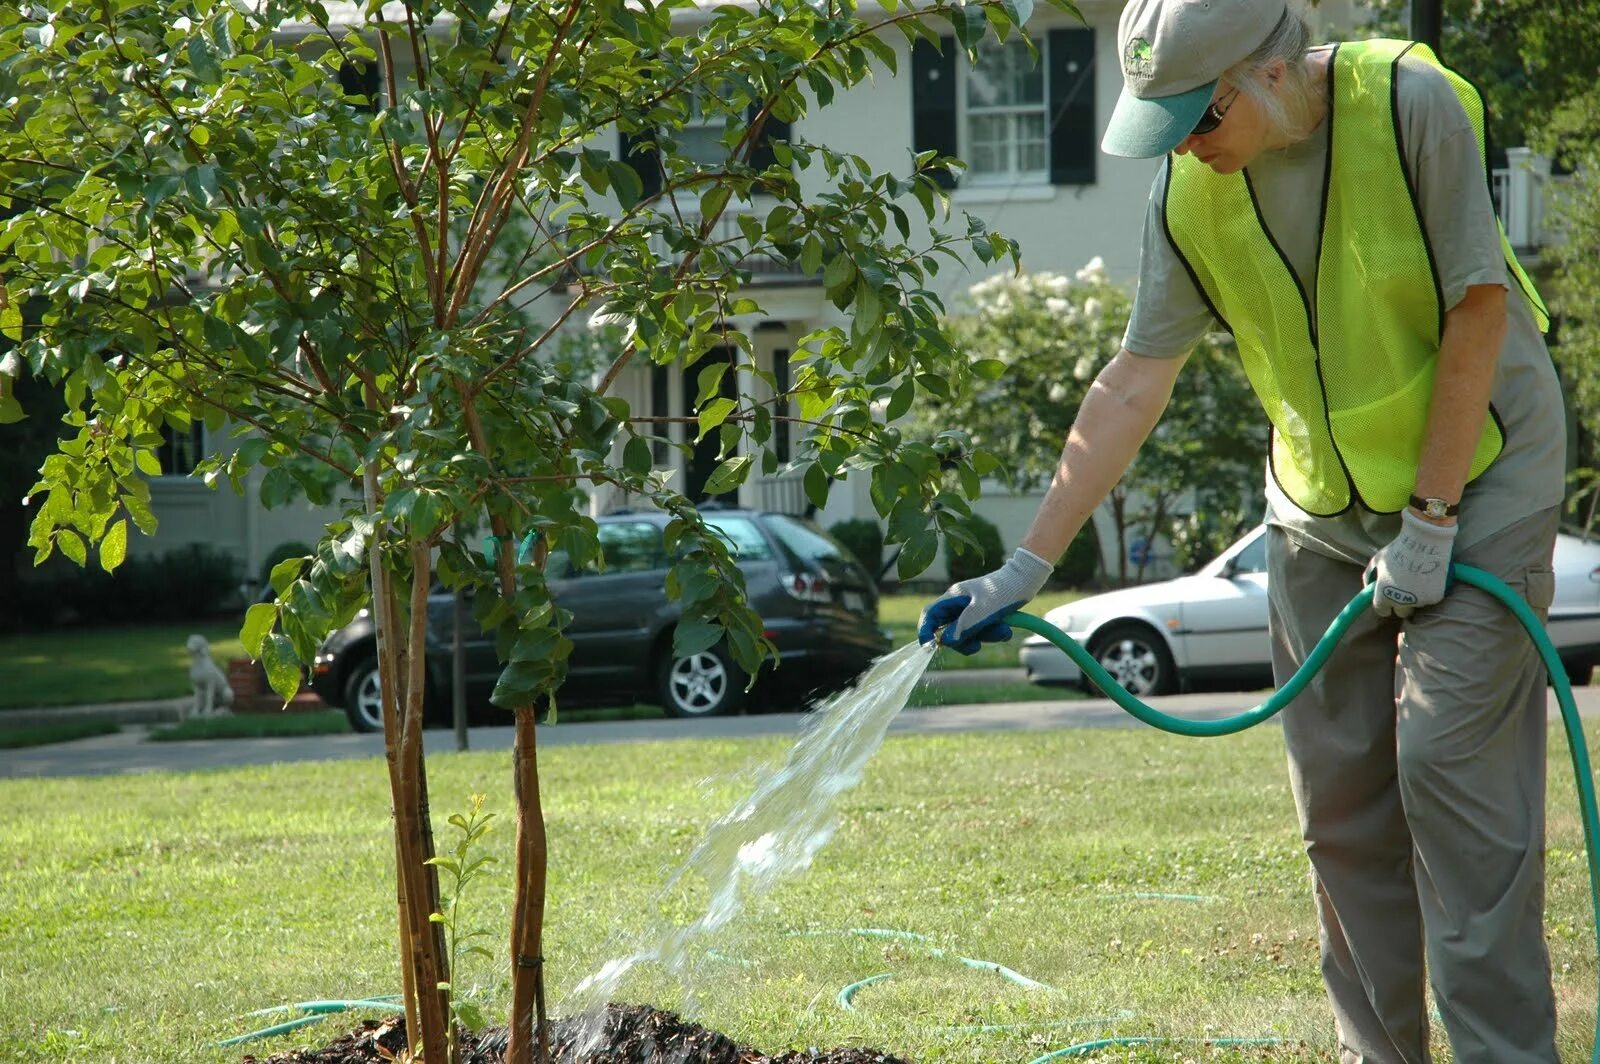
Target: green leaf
[
  {"x": 918, "y": 553},
  {"x": 11, "y": 411},
  {"x": 816, "y": 484},
  {"x": 730, "y": 474},
  {"x": 11, "y": 321},
  {"x": 283, "y": 668},
  {"x": 811, "y": 255},
  {"x": 990, "y": 369},
  {"x": 71, "y": 544},
  {"x": 636, "y": 457},
  {"x": 285, "y": 573},
  {"x": 625, "y": 180},
  {"x": 694, "y": 635},
  {"x": 715, "y": 201},
  {"x": 715, "y": 413},
  {"x": 839, "y": 272},
  {"x": 258, "y": 621},
  {"x": 114, "y": 547},
  {"x": 900, "y": 401},
  {"x": 709, "y": 380}
]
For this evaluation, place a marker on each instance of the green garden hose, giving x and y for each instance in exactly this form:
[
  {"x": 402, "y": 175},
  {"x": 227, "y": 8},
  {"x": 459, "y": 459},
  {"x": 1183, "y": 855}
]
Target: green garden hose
[{"x": 1466, "y": 574}]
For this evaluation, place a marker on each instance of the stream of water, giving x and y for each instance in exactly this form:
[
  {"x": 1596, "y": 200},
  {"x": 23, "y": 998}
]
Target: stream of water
[{"x": 774, "y": 832}]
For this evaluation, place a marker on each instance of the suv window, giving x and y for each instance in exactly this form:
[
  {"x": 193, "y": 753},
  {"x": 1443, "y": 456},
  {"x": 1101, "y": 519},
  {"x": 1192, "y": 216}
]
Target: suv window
[
  {"x": 631, "y": 546},
  {"x": 805, "y": 541},
  {"x": 744, "y": 539}
]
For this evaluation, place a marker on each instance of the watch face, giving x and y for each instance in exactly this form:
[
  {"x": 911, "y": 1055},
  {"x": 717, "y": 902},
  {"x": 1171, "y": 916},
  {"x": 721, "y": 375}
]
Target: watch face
[{"x": 1438, "y": 508}]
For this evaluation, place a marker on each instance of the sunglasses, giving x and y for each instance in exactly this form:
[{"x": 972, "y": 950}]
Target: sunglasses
[{"x": 1213, "y": 115}]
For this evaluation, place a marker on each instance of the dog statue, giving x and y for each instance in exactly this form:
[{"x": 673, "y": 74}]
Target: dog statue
[{"x": 212, "y": 694}]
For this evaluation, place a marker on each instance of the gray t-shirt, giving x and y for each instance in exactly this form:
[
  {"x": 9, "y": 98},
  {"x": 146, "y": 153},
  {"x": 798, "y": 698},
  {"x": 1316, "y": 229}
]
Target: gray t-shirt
[{"x": 1169, "y": 316}]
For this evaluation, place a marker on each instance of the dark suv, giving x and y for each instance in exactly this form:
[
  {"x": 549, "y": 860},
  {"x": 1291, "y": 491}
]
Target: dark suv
[{"x": 818, "y": 605}]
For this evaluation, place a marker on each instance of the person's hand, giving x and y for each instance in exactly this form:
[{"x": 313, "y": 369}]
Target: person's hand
[
  {"x": 973, "y": 611},
  {"x": 1414, "y": 570}
]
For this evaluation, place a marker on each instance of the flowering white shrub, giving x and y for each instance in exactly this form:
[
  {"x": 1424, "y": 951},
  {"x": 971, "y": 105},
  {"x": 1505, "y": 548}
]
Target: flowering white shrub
[{"x": 1038, "y": 340}]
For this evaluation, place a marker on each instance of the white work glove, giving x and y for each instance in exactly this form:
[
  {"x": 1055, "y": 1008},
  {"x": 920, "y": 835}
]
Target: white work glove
[
  {"x": 1414, "y": 570},
  {"x": 973, "y": 612}
]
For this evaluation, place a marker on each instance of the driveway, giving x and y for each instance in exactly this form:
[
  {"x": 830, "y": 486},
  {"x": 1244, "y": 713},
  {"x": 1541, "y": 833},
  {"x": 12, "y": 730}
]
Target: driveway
[{"x": 126, "y": 753}]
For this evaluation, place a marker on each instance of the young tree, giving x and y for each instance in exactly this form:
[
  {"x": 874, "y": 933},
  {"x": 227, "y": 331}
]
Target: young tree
[
  {"x": 286, "y": 234},
  {"x": 1036, "y": 342}
]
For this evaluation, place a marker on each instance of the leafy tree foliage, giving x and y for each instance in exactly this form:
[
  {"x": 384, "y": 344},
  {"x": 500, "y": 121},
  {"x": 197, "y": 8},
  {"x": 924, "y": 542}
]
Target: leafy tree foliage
[
  {"x": 367, "y": 282},
  {"x": 1036, "y": 342}
]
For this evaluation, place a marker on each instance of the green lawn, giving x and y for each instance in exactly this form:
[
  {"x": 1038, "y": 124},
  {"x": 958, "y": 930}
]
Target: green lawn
[
  {"x": 62, "y": 732},
  {"x": 254, "y": 726},
  {"x": 143, "y": 916},
  {"x": 75, "y": 666},
  {"x": 900, "y": 614}
]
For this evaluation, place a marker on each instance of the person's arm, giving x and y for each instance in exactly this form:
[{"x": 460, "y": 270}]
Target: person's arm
[
  {"x": 1474, "y": 330},
  {"x": 1122, "y": 406}
]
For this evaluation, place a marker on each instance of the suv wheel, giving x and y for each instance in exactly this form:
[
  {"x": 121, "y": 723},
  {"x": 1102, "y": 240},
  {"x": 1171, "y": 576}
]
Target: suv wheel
[
  {"x": 703, "y": 684},
  {"x": 363, "y": 697}
]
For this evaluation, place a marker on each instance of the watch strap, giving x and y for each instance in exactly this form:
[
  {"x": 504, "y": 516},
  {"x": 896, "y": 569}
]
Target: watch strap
[{"x": 1420, "y": 504}]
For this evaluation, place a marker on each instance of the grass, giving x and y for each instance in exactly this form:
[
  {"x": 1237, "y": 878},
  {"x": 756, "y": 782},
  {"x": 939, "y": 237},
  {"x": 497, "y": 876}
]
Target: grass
[
  {"x": 900, "y": 614},
  {"x": 84, "y": 665},
  {"x": 63, "y": 732},
  {"x": 144, "y": 915},
  {"x": 254, "y": 726}
]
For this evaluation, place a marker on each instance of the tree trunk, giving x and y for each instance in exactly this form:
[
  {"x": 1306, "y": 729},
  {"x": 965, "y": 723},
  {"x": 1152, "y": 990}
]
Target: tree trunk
[
  {"x": 423, "y": 961},
  {"x": 530, "y": 1041}
]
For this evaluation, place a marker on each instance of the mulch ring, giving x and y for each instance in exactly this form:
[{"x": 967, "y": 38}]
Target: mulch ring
[{"x": 633, "y": 1034}]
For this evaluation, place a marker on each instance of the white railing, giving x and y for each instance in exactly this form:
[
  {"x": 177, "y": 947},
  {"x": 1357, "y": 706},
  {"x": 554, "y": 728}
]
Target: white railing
[
  {"x": 726, "y": 231},
  {"x": 784, "y": 493},
  {"x": 1521, "y": 196}
]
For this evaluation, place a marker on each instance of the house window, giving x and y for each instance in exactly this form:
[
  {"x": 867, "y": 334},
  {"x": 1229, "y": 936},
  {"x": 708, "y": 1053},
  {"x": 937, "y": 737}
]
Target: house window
[
  {"x": 181, "y": 449},
  {"x": 1005, "y": 129},
  {"x": 1012, "y": 120},
  {"x": 701, "y": 136}
]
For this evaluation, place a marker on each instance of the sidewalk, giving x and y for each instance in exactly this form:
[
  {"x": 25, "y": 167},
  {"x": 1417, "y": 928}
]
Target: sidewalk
[
  {"x": 127, "y": 753},
  {"x": 169, "y": 710}
]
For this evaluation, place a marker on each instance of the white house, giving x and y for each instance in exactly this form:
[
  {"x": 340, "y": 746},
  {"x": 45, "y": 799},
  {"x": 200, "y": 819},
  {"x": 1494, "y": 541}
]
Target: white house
[{"x": 1030, "y": 135}]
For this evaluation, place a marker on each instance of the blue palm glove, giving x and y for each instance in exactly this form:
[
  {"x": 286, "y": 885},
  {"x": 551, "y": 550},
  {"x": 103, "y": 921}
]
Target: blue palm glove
[{"x": 973, "y": 612}]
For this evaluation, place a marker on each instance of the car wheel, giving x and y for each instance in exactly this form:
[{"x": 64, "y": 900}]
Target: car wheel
[
  {"x": 1579, "y": 673},
  {"x": 1136, "y": 658},
  {"x": 363, "y": 697},
  {"x": 704, "y": 684}
]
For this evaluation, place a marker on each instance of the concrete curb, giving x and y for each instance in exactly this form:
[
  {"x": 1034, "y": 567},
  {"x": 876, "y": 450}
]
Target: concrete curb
[{"x": 159, "y": 711}]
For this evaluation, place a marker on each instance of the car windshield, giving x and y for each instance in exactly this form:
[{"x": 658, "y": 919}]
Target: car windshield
[{"x": 806, "y": 541}]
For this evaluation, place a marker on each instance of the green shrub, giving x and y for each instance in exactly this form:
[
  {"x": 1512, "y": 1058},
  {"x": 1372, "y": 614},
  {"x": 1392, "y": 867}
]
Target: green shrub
[
  {"x": 282, "y": 553},
  {"x": 864, "y": 538},
  {"x": 964, "y": 562},
  {"x": 184, "y": 584},
  {"x": 1080, "y": 565}
]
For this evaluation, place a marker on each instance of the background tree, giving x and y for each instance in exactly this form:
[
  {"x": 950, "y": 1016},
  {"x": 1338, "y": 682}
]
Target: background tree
[
  {"x": 1036, "y": 342},
  {"x": 286, "y": 236}
]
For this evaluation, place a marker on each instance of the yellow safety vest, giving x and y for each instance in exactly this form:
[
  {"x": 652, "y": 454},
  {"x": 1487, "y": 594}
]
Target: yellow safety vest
[{"x": 1345, "y": 372}]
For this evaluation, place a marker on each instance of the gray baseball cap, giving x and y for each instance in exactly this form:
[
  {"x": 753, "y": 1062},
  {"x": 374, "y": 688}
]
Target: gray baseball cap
[{"x": 1172, "y": 53}]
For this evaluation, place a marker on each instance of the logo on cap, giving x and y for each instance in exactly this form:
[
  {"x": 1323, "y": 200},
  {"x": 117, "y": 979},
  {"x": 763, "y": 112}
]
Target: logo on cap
[{"x": 1136, "y": 59}]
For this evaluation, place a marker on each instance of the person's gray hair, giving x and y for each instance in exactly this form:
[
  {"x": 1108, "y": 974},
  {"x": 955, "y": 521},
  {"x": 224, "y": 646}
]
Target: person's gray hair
[{"x": 1293, "y": 106}]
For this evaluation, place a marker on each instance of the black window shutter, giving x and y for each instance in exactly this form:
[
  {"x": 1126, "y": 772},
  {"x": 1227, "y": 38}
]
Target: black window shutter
[
  {"x": 773, "y": 129},
  {"x": 1070, "y": 54},
  {"x": 933, "y": 101},
  {"x": 645, "y": 160},
  {"x": 358, "y": 77}
]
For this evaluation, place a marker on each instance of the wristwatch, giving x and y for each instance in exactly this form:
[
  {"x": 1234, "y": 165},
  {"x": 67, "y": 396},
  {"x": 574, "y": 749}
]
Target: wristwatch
[{"x": 1434, "y": 507}]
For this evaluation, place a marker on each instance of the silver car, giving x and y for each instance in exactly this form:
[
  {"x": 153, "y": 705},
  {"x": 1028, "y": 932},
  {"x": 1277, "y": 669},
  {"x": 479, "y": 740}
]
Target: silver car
[{"x": 1211, "y": 627}]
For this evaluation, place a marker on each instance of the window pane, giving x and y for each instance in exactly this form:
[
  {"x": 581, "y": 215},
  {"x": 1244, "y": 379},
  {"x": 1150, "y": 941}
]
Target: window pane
[
  {"x": 808, "y": 541},
  {"x": 703, "y": 144},
  {"x": 743, "y": 537},
  {"x": 631, "y": 547},
  {"x": 1005, "y": 76}
]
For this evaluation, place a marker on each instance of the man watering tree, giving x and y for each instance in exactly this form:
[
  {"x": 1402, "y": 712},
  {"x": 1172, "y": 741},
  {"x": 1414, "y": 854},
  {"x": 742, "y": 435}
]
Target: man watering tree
[{"x": 1329, "y": 207}]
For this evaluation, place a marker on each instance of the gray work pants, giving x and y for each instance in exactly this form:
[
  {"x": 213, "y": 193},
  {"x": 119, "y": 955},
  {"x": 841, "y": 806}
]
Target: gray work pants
[{"x": 1417, "y": 759}]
